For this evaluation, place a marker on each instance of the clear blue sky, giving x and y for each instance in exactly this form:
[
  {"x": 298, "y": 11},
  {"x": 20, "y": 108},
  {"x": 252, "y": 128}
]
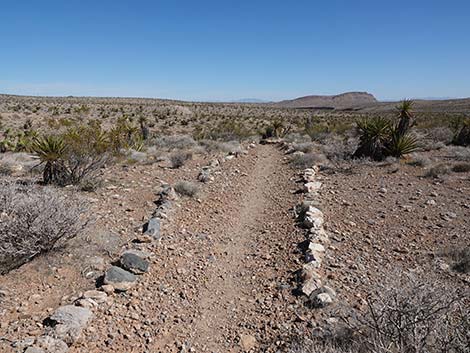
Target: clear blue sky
[{"x": 223, "y": 49}]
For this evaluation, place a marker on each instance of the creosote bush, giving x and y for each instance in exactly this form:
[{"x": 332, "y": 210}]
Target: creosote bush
[
  {"x": 35, "y": 220},
  {"x": 411, "y": 313}
]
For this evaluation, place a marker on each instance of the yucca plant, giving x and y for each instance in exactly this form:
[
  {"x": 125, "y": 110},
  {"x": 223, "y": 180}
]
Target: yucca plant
[
  {"x": 374, "y": 135},
  {"x": 405, "y": 116},
  {"x": 462, "y": 137},
  {"x": 380, "y": 138},
  {"x": 399, "y": 145},
  {"x": 51, "y": 151}
]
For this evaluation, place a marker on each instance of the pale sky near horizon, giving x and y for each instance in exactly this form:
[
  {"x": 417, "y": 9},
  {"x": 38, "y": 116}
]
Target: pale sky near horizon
[{"x": 228, "y": 50}]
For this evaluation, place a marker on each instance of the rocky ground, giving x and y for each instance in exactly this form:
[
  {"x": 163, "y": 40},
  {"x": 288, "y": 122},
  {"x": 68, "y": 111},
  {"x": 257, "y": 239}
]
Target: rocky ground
[
  {"x": 385, "y": 217},
  {"x": 223, "y": 276}
]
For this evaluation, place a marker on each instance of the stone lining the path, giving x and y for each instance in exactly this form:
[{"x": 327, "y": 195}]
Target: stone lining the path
[{"x": 311, "y": 217}]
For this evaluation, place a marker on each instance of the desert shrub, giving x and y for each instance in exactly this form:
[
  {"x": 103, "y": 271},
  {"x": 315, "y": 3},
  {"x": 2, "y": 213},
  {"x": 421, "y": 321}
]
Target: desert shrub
[
  {"x": 277, "y": 128},
  {"x": 438, "y": 170},
  {"x": 297, "y": 138},
  {"x": 304, "y": 147},
  {"x": 35, "y": 220},
  {"x": 460, "y": 257},
  {"x": 73, "y": 156},
  {"x": 124, "y": 136},
  {"x": 231, "y": 147},
  {"x": 178, "y": 159},
  {"x": 186, "y": 188},
  {"x": 414, "y": 312},
  {"x": 409, "y": 313},
  {"x": 314, "y": 346},
  {"x": 307, "y": 160},
  {"x": 336, "y": 147},
  {"x": 175, "y": 142},
  {"x": 225, "y": 130},
  {"x": 461, "y": 168},
  {"x": 462, "y": 137},
  {"x": 418, "y": 160},
  {"x": 459, "y": 153},
  {"x": 440, "y": 134}
]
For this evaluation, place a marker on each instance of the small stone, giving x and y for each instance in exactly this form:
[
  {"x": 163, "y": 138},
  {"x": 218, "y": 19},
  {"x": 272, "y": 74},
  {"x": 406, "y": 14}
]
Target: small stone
[
  {"x": 69, "y": 322},
  {"x": 50, "y": 344},
  {"x": 26, "y": 342},
  {"x": 34, "y": 350},
  {"x": 133, "y": 263},
  {"x": 107, "y": 288},
  {"x": 86, "y": 303},
  {"x": 152, "y": 228},
  {"x": 120, "y": 279},
  {"x": 247, "y": 342},
  {"x": 97, "y": 296},
  {"x": 321, "y": 300},
  {"x": 315, "y": 247}
]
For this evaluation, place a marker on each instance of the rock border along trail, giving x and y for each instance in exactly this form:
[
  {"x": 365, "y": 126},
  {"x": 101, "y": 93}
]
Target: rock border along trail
[{"x": 221, "y": 275}]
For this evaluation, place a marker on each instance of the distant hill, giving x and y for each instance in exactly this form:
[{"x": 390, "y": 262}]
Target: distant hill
[
  {"x": 249, "y": 100},
  {"x": 340, "y": 101}
]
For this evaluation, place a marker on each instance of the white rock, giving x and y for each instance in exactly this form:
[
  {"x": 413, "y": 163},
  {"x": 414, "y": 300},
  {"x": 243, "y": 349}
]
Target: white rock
[
  {"x": 316, "y": 247},
  {"x": 310, "y": 285},
  {"x": 321, "y": 300},
  {"x": 312, "y": 186}
]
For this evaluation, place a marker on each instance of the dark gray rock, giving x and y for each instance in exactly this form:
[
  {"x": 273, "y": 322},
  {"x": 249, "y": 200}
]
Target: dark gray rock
[
  {"x": 120, "y": 279},
  {"x": 152, "y": 228},
  {"x": 134, "y": 263}
]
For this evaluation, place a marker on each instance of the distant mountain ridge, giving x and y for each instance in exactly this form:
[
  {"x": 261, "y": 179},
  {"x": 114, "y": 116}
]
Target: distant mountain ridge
[{"x": 340, "y": 101}]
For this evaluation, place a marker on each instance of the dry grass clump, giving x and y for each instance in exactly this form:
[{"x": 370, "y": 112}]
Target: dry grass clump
[
  {"x": 178, "y": 159},
  {"x": 186, "y": 188},
  {"x": 35, "y": 220},
  {"x": 461, "y": 168},
  {"x": 438, "y": 170},
  {"x": 307, "y": 160},
  {"x": 16, "y": 163}
]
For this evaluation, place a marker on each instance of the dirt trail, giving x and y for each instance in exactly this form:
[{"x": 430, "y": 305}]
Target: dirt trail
[
  {"x": 229, "y": 288},
  {"x": 222, "y": 275}
]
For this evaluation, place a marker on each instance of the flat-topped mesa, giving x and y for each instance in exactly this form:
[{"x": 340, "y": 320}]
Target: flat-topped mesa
[{"x": 340, "y": 101}]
